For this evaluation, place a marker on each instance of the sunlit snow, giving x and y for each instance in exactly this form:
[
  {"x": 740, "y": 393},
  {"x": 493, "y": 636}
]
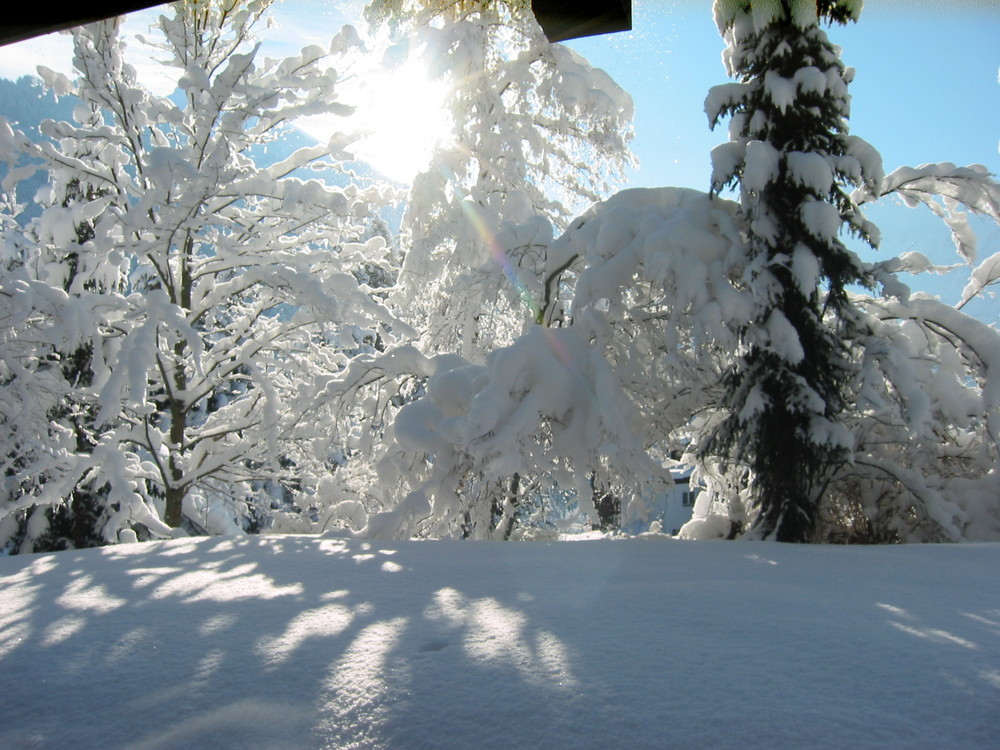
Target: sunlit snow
[{"x": 306, "y": 642}]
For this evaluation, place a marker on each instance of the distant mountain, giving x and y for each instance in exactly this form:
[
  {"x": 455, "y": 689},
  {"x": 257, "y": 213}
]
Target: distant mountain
[{"x": 25, "y": 104}]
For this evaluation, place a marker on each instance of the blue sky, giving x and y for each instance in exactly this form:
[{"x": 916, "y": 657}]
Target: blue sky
[
  {"x": 926, "y": 87},
  {"x": 926, "y": 90}
]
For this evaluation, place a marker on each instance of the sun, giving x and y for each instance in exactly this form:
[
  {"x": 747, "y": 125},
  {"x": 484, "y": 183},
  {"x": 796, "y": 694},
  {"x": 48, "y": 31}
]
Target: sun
[{"x": 400, "y": 117}]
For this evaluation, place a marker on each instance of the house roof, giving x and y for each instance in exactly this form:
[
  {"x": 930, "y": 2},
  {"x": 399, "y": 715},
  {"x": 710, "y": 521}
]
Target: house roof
[
  {"x": 569, "y": 19},
  {"x": 47, "y": 18},
  {"x": 560, "y": 19}
]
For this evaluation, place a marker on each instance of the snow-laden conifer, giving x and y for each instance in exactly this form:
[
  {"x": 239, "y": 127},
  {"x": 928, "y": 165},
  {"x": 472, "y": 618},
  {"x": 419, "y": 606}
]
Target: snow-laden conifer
[{"x": 794, "y": 164}]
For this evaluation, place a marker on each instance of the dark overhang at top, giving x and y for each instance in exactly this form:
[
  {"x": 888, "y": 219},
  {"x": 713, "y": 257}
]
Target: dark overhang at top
[
  {"x": 559, "y": 19},
  {"x": 571, "y": 19},
  {"x": 24, "y": 24}
]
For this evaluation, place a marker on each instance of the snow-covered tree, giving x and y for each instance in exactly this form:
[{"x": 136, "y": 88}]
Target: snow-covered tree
[
  {"x": 53, "y": 300},
  {"x": 597, "y": 407},
  {"x": 33, "y": 388},
  {"x": 537, "y": 134},
  {"x": 485, "y": 447},
  {"x": 925, "y": 394},
  {"x": 925, "y": 419},
  {"x": 794, "y": 164},
  {"x": 211, "y": 286},
  {"x": 951, "y": 193},
  {"x": 910, "y": 452}
]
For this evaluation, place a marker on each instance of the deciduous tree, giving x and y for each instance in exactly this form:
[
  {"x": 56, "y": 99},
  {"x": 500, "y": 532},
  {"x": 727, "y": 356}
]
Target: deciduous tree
[{"x": 217, "y": 283}]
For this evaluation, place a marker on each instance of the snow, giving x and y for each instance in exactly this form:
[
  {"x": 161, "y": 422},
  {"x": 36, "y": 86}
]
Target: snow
[
  {"x": 805, "y": 269},
  {"x": 812, "y": 80},
  {"x": 311, "y": 642},
  {"x": 811, "y": 170},
  {"x": 984, "y": 275},
  {"x": 765, "y": 12},
  {"x": 760, "y": 166},
  {"x": 782, "y": 338},
  {"x": 822, "y": 220},
  {"x": 781, "y": 91},
  {"x": 724, "y": 97},
  {"x": 726, "y": 158}
]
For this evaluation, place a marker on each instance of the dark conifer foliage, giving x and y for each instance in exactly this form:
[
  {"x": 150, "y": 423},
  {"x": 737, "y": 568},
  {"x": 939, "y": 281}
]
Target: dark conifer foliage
[{"x": 792, "y": 160}]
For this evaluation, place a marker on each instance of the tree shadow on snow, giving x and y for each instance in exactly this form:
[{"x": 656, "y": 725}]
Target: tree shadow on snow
[{"x": 275, "y": 642}]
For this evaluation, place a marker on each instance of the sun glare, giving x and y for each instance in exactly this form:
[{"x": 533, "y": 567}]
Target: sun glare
[{"x": 400, "y": 117}]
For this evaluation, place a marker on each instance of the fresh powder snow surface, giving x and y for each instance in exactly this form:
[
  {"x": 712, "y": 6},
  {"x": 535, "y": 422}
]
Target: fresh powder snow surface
[{"x": 311, "y": 642}]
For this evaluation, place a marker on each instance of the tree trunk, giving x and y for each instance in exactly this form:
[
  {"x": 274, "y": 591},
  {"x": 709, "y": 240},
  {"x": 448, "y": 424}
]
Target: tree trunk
[
  {"x": 175, "y": 501},
  {"x": 175, "y": 490}
]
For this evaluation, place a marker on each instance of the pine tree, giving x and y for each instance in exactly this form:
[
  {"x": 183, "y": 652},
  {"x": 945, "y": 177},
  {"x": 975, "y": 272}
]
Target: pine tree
[{"x": 792, "y": 160}]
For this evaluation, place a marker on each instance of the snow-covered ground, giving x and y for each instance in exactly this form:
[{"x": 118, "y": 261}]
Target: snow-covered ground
[{"x": 306, "y": 642}]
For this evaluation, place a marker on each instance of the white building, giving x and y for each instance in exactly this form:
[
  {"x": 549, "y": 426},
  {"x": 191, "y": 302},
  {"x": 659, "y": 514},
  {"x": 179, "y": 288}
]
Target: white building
[{"x": 673, "y": 509}]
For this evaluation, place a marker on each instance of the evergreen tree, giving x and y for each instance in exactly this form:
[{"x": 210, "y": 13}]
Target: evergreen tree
[{"x": 792, "y": 160}]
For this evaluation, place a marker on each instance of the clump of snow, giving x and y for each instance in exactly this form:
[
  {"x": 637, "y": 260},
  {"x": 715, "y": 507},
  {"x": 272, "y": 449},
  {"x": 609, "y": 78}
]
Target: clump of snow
[
  {"x": 781, "y": 91},
  {"x": 985, "y": 274},
  {"x": 722, "y": 97},
  {"x": 782, "y": 338},
  {"x": 726, "y": 160},
  {"x": 822, "y": 220},
  {"x": 805, "y": 269},
  {"x": 811, "y": 170},
  {"x": 760, "y": 166},
  {"x": 705, "y": 528}
]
